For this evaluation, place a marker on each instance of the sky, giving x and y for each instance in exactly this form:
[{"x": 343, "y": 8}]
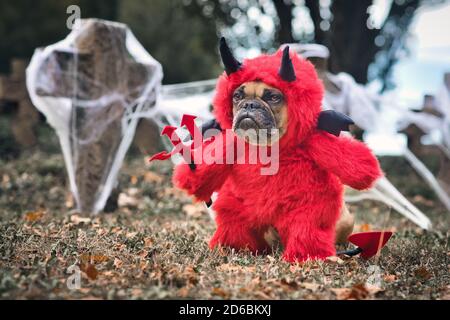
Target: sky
[{"x": 422, "y": 72}]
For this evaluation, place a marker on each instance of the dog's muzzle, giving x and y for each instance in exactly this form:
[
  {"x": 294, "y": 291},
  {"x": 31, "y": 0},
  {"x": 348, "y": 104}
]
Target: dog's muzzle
[{"x": 253, "y": 115}]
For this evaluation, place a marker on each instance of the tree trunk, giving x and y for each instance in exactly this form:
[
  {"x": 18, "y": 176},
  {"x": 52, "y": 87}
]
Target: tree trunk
[
  {"x": 320, "y": 36},
  {"x": 284, "y": 12},
  {"x": 352, "y": 45}
]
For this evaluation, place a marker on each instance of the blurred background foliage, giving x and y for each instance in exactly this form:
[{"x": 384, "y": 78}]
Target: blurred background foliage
[
  {"x": 182, "y": 34},
  {"x": 184, "y": 43},
  {"x": 27, "y": 24}
]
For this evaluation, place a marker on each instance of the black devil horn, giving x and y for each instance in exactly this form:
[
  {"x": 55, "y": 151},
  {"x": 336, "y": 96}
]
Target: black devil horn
[
  {"x": 230, "y": 63},
  {"x": 286, "y": 71}
]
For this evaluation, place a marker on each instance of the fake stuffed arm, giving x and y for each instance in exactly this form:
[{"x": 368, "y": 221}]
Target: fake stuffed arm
[
  {"x": 207, "y": 177},
  {"x": 350, "y": 160}
]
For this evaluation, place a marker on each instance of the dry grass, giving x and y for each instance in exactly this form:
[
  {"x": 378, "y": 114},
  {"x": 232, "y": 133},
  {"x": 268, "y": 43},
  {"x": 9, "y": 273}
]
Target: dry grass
[{"x": 155, "y": 246}]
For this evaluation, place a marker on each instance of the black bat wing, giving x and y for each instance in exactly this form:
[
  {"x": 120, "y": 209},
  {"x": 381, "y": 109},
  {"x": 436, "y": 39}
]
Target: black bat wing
[
  {"x": 334, "y": 122},
  {"x": 210, "y": 124}
]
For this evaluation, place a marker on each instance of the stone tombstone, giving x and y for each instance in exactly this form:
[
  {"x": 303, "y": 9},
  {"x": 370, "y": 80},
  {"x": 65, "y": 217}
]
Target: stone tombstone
[
  {"x": 93, "y": 87},
  {"x": 13, "y": 89},
  {"x": 425, "y": 119}
]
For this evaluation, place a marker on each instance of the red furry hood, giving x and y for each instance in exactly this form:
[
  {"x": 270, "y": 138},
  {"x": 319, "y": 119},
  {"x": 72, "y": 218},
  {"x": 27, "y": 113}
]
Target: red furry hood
[{"x": 303, "y": 95}]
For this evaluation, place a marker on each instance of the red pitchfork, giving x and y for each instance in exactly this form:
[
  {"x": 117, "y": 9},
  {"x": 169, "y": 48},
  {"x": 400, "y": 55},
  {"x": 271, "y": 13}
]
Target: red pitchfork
[{"x": 179, "y": 147}]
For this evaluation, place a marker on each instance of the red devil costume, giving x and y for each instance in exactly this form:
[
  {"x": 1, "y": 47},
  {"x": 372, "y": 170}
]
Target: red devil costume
[{"x": 303, "y": 200}]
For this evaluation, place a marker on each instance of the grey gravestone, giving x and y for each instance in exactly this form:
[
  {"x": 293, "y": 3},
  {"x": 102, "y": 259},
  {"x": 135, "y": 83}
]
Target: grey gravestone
[
  {"x": 13, "y": 89},
  {"x": 109, "y": 79}
]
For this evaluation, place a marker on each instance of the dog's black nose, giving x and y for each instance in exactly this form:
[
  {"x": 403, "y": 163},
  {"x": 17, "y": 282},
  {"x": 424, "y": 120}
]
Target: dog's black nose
[{"x": 251, "y": 105}]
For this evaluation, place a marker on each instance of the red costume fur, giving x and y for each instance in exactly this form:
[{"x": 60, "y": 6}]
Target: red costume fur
[{"x": 304, "y": 199}]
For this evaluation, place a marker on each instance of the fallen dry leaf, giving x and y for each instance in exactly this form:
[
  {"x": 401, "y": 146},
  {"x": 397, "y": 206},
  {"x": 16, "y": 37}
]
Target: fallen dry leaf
[
  {"x": 220, "y": 292},
  {"x": 389, "y": 277},
  {"x": 133, "y": 192},
  {"x": 5, "y": 180},
  {"x": 172, "y": 192},
  {"x": 358, "y": 291},
  {"x": 143, "y": 265},
  {"x": 131, "y": 235},
  {"x": 76, "y": 219},
  {"x": 148, "y": 242},
  {"x": 222, "y": 251},
  {"x": 365, "y": 227},
  {"x": 294, "y": 268},
  {"x": 152, "y": 177},
  {"x": 373, "y": 289},
  {"x": 126, "y": 200},
  {"x": 133, "y": 180},
  {"x": 231, "y": 268},
  {"x": 116, "y": 230},
  {"x": 446, "y": 293},
  {"x": 136, "y": 292},
  {"x": 89, "y": 270},
  {"x": 228, "y": 267},
  {"x": 310, "y": 286},
  {"x": 69, "y": 201},
  {"x": 244, "y": 290},
  {"x": 118, "y": 263},
  {"x": 183, "y": 292},
  {"x": 194, "y": 210},
  {"x": 32, "y": 216},
  {"x": 422, "y": 273},
  {"x": 341, "y": 293},
  {"x": 94, "y": 258},
  {"x": 143, "y": 254},
  {"x": 421, "y": 199},
  {"x": 191, "y": 275},
  {"x": 109, "y": 274},
  {"x": 262, "y": 295},
  {"x": 334, "y": 260},
  {"x": 91, "y": 298},
  {"x": 290, "y": 284}
]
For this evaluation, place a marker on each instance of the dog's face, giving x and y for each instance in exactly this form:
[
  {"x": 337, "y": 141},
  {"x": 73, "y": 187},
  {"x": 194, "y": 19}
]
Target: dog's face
[{"x": 257, "y": 110}]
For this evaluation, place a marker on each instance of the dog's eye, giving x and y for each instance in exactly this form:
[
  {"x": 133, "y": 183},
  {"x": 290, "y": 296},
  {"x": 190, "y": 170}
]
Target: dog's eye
[
  {"x": 237, "y": 95},
  {"x": 275, "y": 98}
]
